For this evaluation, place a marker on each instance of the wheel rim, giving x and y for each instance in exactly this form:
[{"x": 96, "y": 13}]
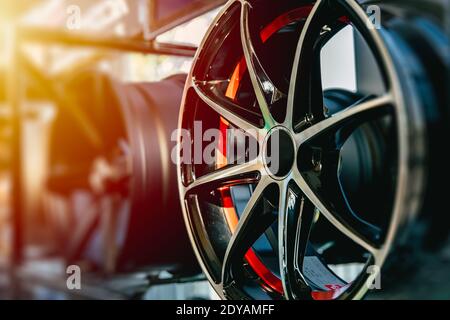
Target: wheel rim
[{"x": 310, "y": 188}]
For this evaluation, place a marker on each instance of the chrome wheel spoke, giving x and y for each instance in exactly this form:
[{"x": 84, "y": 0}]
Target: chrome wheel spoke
[
  {"x": 305, "y": 99},
  {"x": 295, "y": 220},
  {"x": 337, "y": 210},
  {"x": 348, "y": 119},
  {"x": 227, "y": 174},
  {"x": 224, "y": 111},
  {"x": 255, "y": 220},
  {"x": 265, "y": 90}
]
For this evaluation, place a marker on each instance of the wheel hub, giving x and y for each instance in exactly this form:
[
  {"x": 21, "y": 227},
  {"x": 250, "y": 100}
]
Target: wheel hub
[{"x": 279, "y": 153}]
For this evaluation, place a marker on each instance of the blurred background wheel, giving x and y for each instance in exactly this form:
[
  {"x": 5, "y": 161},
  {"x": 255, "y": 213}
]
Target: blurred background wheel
[{"x": 115, "y": 207}]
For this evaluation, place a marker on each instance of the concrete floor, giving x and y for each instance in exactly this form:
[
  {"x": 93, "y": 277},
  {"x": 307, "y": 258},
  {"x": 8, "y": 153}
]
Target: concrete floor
[
  {"x": 431, "y": 280},
  {"x": 46, "y": 279}
]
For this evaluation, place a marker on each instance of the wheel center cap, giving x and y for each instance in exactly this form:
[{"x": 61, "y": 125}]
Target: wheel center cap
[{"x": 279, "y": 153}]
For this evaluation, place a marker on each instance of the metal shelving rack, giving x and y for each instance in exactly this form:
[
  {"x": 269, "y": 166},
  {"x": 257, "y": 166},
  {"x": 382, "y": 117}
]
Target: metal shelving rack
[{"x": 121, "y": 286}]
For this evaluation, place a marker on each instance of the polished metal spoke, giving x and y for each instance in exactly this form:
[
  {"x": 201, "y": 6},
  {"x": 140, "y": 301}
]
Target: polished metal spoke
[
  {"x": 358, "y": 114},
  {"x": 253, "y": 223},
  {"x": 230, "y": 116},
  {"x": 331, "y": 216},
  {"x": 295, "y": 220},
  {"x": 261, "y": 82},
  {"x": 306, "y": 74},
  {"x": 231, "y": 172}
]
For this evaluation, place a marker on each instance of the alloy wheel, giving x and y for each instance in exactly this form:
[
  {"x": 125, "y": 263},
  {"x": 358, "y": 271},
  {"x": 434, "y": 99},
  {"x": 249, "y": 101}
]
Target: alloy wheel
[{"x": 288, "y": 231}]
